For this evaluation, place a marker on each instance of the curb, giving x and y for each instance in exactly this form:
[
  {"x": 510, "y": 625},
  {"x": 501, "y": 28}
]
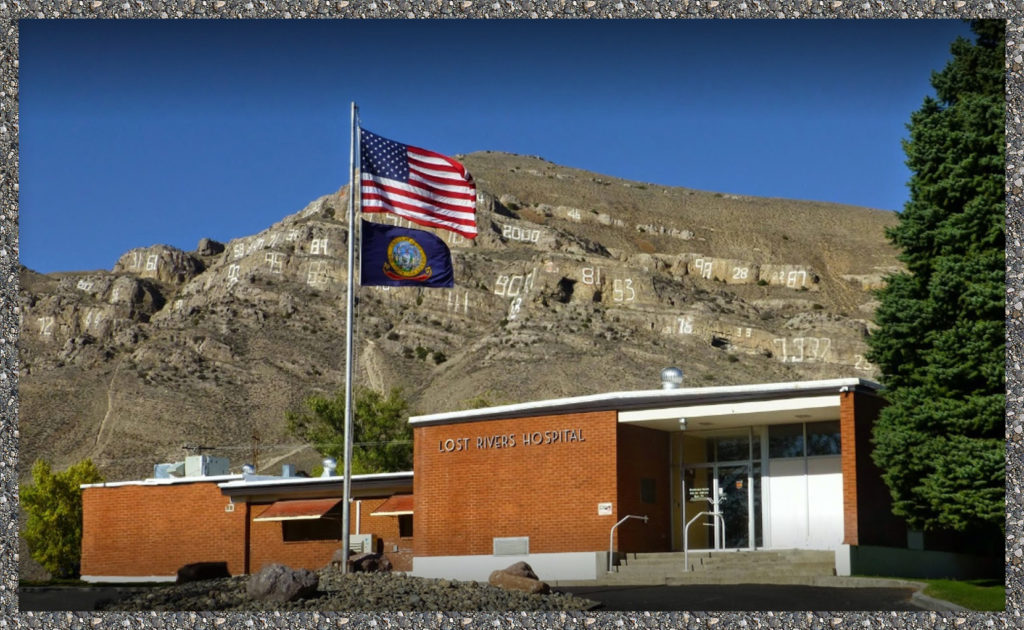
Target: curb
[{"x": 931, "y": 603}]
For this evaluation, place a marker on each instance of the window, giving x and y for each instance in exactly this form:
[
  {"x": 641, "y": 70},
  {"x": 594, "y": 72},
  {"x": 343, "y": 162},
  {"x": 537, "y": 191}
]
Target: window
[
  {"x": 405, "y": 525},
  {"x": 786, "y": 440},
  {"x": 823, "y": 438},
  {"x": 311, "y": 529},
  {"x": 647, "y": 490}
]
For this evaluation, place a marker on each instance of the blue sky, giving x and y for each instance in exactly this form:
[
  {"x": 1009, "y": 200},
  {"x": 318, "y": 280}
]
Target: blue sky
[{"x": 142, "y": 132}]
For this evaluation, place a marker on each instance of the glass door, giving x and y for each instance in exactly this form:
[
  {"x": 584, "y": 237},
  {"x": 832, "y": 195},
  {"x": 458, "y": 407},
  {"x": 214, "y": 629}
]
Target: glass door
[
  {"x": 734, "y": 504},
  {"x": 731, "y": 472}
]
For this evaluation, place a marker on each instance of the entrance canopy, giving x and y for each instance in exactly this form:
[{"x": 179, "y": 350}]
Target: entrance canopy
[{"x": 736, "y": 414}]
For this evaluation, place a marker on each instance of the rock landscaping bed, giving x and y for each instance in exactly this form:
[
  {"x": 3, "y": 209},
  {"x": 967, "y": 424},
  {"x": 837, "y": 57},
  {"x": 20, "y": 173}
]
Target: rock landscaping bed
[{"x": 352, "y": 592}]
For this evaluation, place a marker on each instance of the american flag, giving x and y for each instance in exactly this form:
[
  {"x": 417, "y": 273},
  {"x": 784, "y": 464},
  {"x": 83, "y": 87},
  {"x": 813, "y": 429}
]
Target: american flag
[{"x": 422, "y": 186}]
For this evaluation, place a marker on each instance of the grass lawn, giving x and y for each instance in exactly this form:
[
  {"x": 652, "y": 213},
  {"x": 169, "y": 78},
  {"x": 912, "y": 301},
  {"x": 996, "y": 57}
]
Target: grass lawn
[{"x": 973, "y": 594}]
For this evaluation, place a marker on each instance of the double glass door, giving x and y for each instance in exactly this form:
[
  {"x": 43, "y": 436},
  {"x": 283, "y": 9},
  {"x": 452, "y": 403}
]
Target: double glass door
[{"x": 729, "y": 479}]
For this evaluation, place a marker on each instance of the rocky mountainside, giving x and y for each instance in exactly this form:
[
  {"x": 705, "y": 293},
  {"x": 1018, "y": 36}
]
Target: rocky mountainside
[{"x": 577, "y": 284}]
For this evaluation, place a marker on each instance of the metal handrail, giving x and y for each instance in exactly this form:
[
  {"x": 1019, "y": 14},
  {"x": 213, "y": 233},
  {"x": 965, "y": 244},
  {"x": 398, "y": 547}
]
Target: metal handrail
[
  {"x": 686, "y": 535},
  {"x": 611, "y": 536}
]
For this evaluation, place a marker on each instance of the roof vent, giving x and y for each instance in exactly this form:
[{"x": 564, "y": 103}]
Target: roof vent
[
  {"x": 671, "y": 378},
  {"x": 330, "y": 465},
  {"x": 248, "y": 469}
]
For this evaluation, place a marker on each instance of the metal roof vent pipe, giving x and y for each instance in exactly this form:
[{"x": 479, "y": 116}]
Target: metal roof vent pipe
[
  {"x": 288, "y": 470},
  {"x": 671, "y": 378},
  {"x": 330, "y": 465},
  {"x": 248, "y": 469}
]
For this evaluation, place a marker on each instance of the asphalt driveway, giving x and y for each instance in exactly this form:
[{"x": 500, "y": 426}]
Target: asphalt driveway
[{"x": 732, "y": 597}]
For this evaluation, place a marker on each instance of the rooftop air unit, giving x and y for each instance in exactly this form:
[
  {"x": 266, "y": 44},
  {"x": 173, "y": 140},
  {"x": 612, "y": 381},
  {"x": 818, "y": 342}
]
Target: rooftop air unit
[{"x": 205, "y": 466}]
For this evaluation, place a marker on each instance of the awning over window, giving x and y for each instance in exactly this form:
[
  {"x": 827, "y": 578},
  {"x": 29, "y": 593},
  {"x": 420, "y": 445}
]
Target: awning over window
[
  {"x": 297, "y": 509},
  {"x": 397, "y": 505}
]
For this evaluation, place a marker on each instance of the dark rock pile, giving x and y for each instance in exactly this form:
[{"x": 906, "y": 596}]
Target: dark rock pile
[{"x": 356, "y": 592}]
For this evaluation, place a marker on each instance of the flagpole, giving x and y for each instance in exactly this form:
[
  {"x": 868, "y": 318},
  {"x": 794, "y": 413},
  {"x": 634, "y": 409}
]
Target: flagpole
[{"x": 350, "y": 306}]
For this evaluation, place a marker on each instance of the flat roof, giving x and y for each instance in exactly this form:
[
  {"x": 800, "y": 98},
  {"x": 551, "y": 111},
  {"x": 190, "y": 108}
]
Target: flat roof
[
  {"x": 652, "y": 399},
  {"x": 163, "y": 481},
  {"x": 312, "y": 487},
  {"x": 246, "y": 481}
]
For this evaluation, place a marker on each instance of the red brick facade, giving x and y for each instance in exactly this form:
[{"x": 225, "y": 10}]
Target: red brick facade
[
  {"x": 867, "y": 515},
  {"x": 643, "y": 458},
  {"x": 142, "y": 530},
  {"x": 146, "y": 530},
  {"x": 479, "y": 480}
]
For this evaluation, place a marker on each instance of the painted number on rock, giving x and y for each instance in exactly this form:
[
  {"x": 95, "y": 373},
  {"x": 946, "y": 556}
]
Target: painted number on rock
[{"x": 622, "y": 290}]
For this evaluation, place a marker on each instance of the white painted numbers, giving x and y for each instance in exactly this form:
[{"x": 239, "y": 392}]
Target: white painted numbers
[
  {"x": 622, "y": 290},
  {"x": 685, "y": 324},
  {"x": 317, "y": 274},
  {"x": 862, "y": 363},
  {"x": 275, "y": 260},
  {"x": 318, "y": 247},
  {"x": 740, "y": 273},
  {"x": 800, "y": 349},
  {"x": 704, "y": 266},
  {"x": 46, "y": 326},
  {"x": 591, "y": 275},
  {"x": 516, "y": 233},
  {"x": 151, "y": 262},
  {"x": 233, "y": 271},
  {"x": 516, "y": 287}
]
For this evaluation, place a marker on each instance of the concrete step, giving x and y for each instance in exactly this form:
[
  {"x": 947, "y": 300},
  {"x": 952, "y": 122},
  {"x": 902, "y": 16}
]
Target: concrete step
[
  {"x": 776, "y": 566},
  {"x": 791, "y": 569}
]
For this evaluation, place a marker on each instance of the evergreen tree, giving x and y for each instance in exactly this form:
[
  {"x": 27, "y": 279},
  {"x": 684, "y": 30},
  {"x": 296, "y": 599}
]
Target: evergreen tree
[
  {"x": 940, "y": 341},
  {"x": 381, "y": 435},
  {"x": 53, "y": 502}
]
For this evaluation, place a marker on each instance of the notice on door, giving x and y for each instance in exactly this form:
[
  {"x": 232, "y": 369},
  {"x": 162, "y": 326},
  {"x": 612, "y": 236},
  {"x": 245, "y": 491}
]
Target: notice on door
[{"x": 699, "y": 494}]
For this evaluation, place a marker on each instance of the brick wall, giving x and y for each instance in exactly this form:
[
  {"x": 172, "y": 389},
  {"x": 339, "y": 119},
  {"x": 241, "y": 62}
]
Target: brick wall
[
  {"x": 386, "y": 529},
  {"x": 643, "y": 454},
  {"x": 466, "y": 493},
  {"x": 155, "y": 530},
  {"x": 867, "y": 513},
  {"x": 268, "y": 544}
]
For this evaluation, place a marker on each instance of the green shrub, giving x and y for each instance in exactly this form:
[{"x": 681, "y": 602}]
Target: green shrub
[{"x": 53, "y": 502}]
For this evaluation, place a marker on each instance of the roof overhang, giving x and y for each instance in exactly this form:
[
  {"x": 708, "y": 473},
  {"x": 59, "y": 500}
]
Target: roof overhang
[
  {"x": 263, "y": 489},
  {"x": 658, "y": 399},
  {"x": 736, "y": 414},
  {"x": 298, "y": 510}
]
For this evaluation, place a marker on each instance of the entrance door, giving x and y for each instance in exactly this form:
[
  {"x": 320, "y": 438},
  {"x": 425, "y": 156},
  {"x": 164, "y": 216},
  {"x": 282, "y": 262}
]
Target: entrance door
[
  {"x": 732, "y": 472},
  {"x": 734, "y": 504}
]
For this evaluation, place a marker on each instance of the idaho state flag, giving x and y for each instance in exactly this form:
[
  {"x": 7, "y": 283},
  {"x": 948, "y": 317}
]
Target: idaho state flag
[{"x": 399, "y": 257}]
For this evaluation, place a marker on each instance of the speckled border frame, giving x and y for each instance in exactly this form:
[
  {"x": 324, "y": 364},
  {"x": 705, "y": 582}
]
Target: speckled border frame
[{"x": 13, "y": 10}]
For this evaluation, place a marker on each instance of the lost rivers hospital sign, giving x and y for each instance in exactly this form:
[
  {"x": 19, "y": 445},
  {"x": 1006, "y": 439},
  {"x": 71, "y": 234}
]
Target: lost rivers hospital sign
[{"x": 511, "y": 440}]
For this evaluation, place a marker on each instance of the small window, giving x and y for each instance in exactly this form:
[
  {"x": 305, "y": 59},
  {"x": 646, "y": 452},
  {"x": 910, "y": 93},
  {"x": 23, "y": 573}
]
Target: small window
[
  {"x": 823, "y": 438},
  {"x": 405, "y": 525},
  {"x": 647, "y": 490},
  {"x": 311, "y": 529},
  {"x": 786, "y": 440}
]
